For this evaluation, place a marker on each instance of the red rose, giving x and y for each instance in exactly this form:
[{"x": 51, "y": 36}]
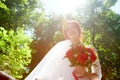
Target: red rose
[
  {"x": 93, "y": 58},
  {"x": 82, "y": 58},
  {"x": 92, "y": 54},
  {"x": 81, "y": 49},
  {"x": 81, "y": 55},
  {"x": 69, "y": 54}
]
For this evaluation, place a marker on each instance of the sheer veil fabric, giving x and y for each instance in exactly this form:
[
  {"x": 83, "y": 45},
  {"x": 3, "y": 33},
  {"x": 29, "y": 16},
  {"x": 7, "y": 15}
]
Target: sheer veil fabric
[{"x": 55, "y": 67}]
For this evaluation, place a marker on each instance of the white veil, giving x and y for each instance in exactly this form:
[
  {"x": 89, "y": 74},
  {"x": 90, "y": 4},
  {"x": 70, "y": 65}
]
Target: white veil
[{"x": 53, "y": 66}]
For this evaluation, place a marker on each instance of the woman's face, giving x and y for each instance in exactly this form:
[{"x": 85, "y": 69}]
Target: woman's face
[{"x": 72, "y": 31}]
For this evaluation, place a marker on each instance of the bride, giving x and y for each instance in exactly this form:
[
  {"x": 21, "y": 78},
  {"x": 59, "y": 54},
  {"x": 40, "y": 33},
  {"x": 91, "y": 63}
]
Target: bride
[{"x": 55, "y": 67}]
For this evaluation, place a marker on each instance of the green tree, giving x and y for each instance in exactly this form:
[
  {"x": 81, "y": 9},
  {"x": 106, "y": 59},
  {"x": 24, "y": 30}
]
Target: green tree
[
  {"x": 109, "y": 30},
  {"x": 44, "y": 30},
  {"x": 103, "y": 26},
  {"x": 17, "y": 13},
  {"x": 15, "y": 54},
  {"x": 14, "y": 15}
]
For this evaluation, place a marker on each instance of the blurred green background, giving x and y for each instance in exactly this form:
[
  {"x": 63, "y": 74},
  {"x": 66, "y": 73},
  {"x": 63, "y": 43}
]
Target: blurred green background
[{"x": 28, "y": 31}]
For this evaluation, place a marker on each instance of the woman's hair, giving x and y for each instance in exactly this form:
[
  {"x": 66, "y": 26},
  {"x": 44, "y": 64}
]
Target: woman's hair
[{"x": 77, "y": 25}]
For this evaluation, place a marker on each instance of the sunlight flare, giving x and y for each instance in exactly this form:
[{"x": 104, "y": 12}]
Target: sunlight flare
[
  {"x": 64, "y": 6},
  {"x": 69, "y": 6}
]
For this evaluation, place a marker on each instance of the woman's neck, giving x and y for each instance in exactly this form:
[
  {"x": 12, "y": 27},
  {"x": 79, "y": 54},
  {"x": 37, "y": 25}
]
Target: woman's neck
[{"x": 75, "y": 42}]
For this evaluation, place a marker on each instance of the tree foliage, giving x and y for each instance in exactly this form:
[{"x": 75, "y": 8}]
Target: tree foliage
[
  {"x": 44, "y": 31},
  {"x": 103, "y": 26},
  {"x": 109, "y": 49},
  {"x": 16, "y": 13},
  {"x": 15, "y": 54},
  {"x": 17, "y": 16}
]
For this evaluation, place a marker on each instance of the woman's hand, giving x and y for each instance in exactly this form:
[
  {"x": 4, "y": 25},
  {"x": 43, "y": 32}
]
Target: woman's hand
[
  {"x": 91, "y": 76},
  {"x": 80, "y": 71}
]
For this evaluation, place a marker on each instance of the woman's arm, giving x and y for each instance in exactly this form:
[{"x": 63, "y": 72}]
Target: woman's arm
[
  {"x": 96, "y": 69},
  {"x": 81, "y": 72},
  {"x": 91, "y": 76}
]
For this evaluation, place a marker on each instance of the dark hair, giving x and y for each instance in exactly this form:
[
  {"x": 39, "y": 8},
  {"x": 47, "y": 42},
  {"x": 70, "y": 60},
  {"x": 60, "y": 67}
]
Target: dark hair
[{"x": 77, "y": 25}]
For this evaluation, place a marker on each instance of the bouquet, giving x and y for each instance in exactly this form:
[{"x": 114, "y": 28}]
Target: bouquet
[{"x": 81, "y": 56}]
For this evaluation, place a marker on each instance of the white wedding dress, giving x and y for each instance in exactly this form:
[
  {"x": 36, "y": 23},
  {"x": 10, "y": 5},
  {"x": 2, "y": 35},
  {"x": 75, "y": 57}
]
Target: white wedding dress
[{"x": 55, "y": 67}]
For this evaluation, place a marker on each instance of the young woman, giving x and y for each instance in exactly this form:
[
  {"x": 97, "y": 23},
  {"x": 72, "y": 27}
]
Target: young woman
[{"x": 55, "y": 67}]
